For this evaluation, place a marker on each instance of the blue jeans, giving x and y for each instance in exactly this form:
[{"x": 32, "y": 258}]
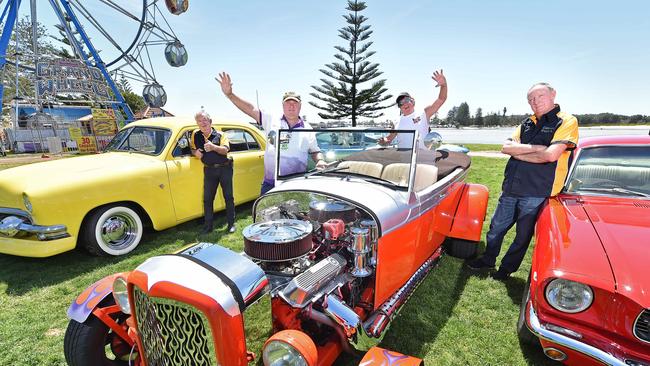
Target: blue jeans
[{"x": 510, "y": 210}]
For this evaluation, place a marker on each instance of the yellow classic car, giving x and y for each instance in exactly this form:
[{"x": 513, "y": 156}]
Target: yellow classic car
[{"x": 146, "y": 177}]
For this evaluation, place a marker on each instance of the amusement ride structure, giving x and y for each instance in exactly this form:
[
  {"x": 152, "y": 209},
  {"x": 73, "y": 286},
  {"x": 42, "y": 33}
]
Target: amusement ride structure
[{"x": 91, "y": 27}]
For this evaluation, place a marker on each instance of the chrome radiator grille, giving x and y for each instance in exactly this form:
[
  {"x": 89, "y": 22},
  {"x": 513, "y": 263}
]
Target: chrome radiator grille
[
  {"x": 172, "y": 333},
  {"x": 642, "y": 326}
]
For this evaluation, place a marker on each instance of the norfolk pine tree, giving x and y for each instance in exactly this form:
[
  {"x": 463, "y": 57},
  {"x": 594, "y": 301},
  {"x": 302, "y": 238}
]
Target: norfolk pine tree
[{"x": 343, "y": 97}]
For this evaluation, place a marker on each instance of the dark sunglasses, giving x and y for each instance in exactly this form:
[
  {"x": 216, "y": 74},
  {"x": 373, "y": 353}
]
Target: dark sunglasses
[{"x": 404, "y": 101}]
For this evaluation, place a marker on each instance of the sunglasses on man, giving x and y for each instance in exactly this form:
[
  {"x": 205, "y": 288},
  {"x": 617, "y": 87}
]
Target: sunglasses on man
[{"x": 404, "y": 101}]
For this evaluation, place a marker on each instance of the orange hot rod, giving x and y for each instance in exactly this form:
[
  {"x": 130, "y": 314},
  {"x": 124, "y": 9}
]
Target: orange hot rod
[
  {"x": 587, "y": 300},
  {"x": 331, "y": 258}
]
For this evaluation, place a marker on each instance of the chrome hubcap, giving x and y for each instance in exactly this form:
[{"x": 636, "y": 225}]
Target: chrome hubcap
[{"x": 119, "y": 231}]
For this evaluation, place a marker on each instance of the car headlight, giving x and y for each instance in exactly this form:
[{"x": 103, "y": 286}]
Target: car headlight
[
  {"x": 289, "y": 348},
  {"x": 121, "y": 295},
  {"x": 27, "y": 203},
  {"x": 569, "y": 296}
]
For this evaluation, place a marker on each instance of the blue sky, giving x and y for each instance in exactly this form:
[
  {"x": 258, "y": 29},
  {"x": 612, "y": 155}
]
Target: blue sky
[{"x": 596, "y": 53}]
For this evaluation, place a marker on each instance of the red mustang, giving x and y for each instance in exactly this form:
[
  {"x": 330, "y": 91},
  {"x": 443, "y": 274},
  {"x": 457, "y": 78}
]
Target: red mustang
[{"x": 588, "y": 294}]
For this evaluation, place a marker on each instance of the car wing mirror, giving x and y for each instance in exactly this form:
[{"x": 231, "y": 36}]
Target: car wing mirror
[
  {"x": 432, "y": 141},
  {"x": 183, "y": 142},
  {"x": 271, "y": 137}
]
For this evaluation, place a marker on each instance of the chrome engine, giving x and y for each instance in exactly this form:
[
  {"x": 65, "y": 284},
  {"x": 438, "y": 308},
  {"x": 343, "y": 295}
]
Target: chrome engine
[
  {"x": 288, "y": 238},
  {"x": 320, "y": 255}
]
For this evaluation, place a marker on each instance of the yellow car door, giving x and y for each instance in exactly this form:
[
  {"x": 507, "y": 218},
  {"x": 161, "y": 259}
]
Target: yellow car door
[
  {"x": 185, "y": 179},
  {"x": 247, "y": 152}
]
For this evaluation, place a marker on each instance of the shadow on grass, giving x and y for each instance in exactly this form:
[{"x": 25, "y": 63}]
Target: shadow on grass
[
  {"x": 532, "y": 353},
  {"x": 22, "y": 275},
  {"x": 421, "y": 319}
]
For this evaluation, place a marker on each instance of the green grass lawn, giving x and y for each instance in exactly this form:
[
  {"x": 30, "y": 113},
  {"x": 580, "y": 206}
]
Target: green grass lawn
[
  {"x": 456, "y": 317},
  {"x": 483, "y": 147}
]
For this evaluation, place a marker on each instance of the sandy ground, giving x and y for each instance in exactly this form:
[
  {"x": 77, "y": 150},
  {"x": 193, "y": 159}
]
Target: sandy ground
[
  {"x": 488, "y": 154},
  {"x": 29, "y": 158}
]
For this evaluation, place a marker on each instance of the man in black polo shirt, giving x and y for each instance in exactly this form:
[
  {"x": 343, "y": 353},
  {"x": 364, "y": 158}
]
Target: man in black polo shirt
[
  {"x": 539, "y": 154},
  {"x": 212, "y": 146}
]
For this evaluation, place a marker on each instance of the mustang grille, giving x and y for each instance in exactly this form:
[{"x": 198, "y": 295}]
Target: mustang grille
[
  {"x": 172, "y": 333},
  {"x": 642, "y": 326}
]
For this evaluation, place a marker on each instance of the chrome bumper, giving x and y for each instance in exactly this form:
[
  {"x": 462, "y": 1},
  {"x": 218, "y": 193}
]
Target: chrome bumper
[
  {"x": 562, "y": 340},
  {"x": 17, "y": 223}
]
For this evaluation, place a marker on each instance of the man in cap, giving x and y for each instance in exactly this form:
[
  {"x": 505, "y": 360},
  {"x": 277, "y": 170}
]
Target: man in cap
[
  {"x": 295, "y": 158},
  {"x": 418, "y": 121}
]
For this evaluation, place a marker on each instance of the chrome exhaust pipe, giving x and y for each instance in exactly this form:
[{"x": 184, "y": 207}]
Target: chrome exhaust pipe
[{"x": 364, "y": 335}]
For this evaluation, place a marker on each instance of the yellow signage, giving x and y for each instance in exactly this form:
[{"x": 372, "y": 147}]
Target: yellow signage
[
  {"x": 87, "y": 144},
  {"x": 101, "y": 113},
  {"x": 75, "y": 132},
  {"x": 104, "y": 127}
]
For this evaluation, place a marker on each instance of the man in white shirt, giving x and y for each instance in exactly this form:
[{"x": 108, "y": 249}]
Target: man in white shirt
[
  {"x": 418, "y": 121},
  {"x": 294, "y": 151}
]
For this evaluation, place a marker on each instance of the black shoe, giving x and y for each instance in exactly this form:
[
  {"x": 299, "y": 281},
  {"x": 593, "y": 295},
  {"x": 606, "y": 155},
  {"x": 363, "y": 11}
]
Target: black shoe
[
  {"x": 478, "y": 264},
  {"x": 500, "y": 275},
  {"x": 206, "y": 230},
  {"x": 232, "y": 229}
]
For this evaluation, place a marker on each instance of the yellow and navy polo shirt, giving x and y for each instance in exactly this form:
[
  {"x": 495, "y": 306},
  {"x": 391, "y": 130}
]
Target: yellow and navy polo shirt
[
  {"x": 216, "y": 137},
  {"x": 541, "y": 179}
]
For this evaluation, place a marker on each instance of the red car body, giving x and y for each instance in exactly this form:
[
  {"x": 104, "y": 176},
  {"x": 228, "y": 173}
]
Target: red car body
[{"x": 596, "y": 233}]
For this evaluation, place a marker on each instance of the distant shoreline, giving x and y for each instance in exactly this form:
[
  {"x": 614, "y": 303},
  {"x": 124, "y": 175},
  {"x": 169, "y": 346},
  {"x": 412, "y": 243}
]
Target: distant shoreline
[
  {"x": 621, "y": 127},
  {"x": 496, "y": 135}
]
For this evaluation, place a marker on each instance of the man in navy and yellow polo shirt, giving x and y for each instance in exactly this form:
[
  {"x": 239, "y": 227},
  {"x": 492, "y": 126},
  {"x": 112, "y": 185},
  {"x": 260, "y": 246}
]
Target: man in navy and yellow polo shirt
[
  {"x": 212, "y": 146},
  {"x": 539, "y": 158}
]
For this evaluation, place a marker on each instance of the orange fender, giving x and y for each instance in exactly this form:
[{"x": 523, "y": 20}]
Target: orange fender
[
  {"x": 470, "y": 214},
  {"x": 379, "y": 356}
]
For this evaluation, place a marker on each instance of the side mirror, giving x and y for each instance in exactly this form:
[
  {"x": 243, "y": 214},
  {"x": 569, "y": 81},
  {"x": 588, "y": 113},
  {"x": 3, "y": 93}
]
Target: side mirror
[
  {"x": 271, "y": 137},
  {"x": 432, "y": 141},
  {"x": 183, "y": 142}
]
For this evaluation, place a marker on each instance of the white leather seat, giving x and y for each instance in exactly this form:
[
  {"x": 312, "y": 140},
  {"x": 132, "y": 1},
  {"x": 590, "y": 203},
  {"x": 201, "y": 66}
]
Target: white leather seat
[
  {"x": 625, "y": 174},
  {"x": 425, "y": 175},
  {"x": 362, "y": 167}
]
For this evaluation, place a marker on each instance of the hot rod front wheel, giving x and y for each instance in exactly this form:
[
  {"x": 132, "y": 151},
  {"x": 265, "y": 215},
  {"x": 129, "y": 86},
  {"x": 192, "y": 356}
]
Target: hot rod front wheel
[
  {"x": 112, "y": 230},
  {"x": 93, "y": 343}
]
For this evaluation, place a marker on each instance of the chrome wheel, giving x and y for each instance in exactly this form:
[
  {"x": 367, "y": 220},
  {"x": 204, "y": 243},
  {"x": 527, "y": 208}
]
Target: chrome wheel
[
  {"x": 119, "y": 231},
  {"x": 113, "y": 230}
]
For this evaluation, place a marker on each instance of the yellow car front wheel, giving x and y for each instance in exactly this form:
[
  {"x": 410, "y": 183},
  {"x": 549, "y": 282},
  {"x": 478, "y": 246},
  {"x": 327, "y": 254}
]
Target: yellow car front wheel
[{"x": 112, "y": 230}]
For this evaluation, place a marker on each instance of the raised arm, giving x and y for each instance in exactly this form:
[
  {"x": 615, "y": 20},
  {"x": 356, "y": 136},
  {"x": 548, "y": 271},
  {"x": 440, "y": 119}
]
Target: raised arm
[
  {"x": 244, "y": 106},
  {"x": 441, "y": 82}
]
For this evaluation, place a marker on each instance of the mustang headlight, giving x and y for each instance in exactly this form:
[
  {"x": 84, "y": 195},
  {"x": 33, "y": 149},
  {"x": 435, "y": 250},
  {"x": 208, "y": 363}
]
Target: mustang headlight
[
  {"x": 289, "y": 348},
  {"x": 569, "y": 296},
  {"x": 121, "y": 295},
  {"x": 27, "y": 203}
]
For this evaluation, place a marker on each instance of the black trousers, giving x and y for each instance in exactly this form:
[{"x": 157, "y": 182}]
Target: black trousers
[{"x": 212, "y": 178}]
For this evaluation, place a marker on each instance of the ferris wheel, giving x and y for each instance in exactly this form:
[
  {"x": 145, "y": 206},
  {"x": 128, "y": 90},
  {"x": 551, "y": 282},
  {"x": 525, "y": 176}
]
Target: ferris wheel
[{"x": 112, "y": 39}]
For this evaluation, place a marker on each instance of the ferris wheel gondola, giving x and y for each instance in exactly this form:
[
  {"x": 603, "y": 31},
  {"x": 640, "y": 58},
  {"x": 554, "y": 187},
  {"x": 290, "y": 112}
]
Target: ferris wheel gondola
[{"x": 123, "y": 31}]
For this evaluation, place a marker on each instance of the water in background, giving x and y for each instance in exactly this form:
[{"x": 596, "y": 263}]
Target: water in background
[{"x": 499, "y": 135}]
